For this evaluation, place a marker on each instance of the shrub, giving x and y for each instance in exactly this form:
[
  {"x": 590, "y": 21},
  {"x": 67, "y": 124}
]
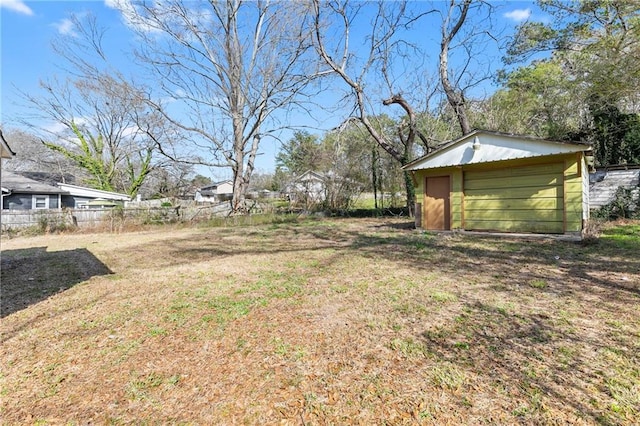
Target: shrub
[
  {"x": 623, "y": 206},
  {"x": 52, "y": 223}
]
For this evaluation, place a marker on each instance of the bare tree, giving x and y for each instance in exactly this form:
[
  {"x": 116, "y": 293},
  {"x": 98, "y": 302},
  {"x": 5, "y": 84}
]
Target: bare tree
[
  {"x": 102, "y": 126},
  {"x": 225, "y": 68},
  {"x": 96, "y": 118},
  {"x": 455, "y": 98},
  {"x": 33, "y": 156},
  {"x": 455, "y": 84},
  {"x": 383, "y": 48}
]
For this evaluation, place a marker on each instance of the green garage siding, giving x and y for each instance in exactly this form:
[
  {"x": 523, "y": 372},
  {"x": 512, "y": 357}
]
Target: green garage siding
[{"x": 515, "y": 199}]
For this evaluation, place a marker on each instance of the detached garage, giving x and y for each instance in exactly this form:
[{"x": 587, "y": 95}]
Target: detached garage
[{"x": 488, "y": 181}]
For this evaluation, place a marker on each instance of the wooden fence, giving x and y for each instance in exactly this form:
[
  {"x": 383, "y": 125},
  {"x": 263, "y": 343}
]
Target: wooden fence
[
  {"x": 17, "y": 219},
  {"x": 112, "y": 218}
]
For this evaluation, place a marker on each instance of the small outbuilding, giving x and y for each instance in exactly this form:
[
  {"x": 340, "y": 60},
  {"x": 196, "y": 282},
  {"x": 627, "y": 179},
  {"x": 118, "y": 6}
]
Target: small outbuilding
[
  {"x": 490, "y": 181},
  {"x": 604, "y": 184}
]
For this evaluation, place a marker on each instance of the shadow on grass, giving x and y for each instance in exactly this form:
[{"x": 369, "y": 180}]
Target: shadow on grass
[
  {"x": 523, "y": 356},
  {"x": 408, "y": 225},
  {"x": 535, "y": 355},
  {"x": 604, "y": 265},
  {"x": 601, "y": 266},
  {"x": 538, "y": 356},
  {"x": 32, "y": 275}
]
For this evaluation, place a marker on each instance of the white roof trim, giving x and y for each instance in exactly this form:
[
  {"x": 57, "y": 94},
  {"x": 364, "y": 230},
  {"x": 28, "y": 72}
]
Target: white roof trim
[
  {"x": 80, "y": 191},
  {"x": 485, "y": 147}
]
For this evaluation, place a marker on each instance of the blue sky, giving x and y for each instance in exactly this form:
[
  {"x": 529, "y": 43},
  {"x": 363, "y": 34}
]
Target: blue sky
[{"x": 27, "y": 29}]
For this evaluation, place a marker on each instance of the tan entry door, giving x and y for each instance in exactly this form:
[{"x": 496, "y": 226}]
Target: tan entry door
[{"x": 436, "y": 201}]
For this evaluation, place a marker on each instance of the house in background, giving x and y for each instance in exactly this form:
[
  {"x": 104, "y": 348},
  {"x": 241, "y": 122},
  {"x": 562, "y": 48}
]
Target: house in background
[
  {"x": 490, "y": 181},
  {"x": 5, "y": 152},
  {"x": 48, "y": 177},
  {"x": 78, "y": 197},
  {"x": 216, "y": 192},
  {"x": 309, "y": 187},
  {"x": 22, "y": 193}
]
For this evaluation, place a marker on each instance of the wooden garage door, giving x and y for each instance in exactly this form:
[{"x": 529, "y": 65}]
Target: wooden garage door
[{"x": 516, "y": 199}]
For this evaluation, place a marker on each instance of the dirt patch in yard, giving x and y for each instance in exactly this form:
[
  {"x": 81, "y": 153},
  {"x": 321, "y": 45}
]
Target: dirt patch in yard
[{"x": 321, "y": 321}]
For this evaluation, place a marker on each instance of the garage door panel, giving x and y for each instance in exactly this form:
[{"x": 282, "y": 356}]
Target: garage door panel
[
  {"x": 513, "y": 193},
  {"x": 482, "y": 203},
  {"x": 521, "y": 199},
  {"x": 555, "y": 168},
  {"x": 513, "y": 226},
  {"x": 518, "y": 215},
  {"x": 515, "y": 182}
]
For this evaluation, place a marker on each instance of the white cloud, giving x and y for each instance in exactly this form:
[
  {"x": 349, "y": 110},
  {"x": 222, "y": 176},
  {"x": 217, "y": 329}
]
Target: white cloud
[
  {"x": 54, "y": 127},
  {"x": 131, "y": 132},
  {"x": 518, "y": 15},
  {"x": 16, "y": 6},
  {"x": 65, "y": 27},
  {"x": 59, "y": 129},
  {"x": 130, "y": 15}
]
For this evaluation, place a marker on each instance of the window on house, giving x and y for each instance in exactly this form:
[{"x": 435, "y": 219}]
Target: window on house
[{"x": 40, "y": 201}]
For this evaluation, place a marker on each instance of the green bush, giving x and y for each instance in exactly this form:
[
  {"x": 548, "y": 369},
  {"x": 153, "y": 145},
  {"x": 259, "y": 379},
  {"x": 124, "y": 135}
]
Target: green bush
[{"x": 623, "y": 206}]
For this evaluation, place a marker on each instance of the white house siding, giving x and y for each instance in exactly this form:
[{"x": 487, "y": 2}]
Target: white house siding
[{"x": 225, "y": 188}]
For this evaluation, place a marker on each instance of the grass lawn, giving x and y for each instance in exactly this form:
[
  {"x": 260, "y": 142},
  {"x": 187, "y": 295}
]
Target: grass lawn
[{"x": 320, "y": 322}]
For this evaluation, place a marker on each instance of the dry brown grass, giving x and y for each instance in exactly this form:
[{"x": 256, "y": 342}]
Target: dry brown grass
[{"x": 318, "y": 322}]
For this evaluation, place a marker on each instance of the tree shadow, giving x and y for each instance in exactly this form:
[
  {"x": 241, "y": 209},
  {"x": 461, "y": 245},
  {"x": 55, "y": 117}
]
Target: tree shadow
[
  {"x": 533, "y": 352},
  {"x": 599, "y": 266},
  {"x": 538, "y": 355},
  {"x": 511, "y": 260},
  {"x": 32, "y": 275},
  {"x": 526, "y": 356},
  {"x": 408, "y": 225}
]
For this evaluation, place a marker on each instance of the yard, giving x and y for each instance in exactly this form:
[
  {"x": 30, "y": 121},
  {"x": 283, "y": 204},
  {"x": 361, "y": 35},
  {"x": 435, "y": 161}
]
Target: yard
[{"x": 351, "y": 321}]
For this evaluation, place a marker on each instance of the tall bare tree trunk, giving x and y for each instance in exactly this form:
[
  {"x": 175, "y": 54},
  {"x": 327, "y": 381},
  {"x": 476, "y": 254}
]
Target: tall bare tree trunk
[
  {"x": 454, "y": 96},
  {"x": 338, "y": 66},
  {"x": 231, "y": 64}
]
